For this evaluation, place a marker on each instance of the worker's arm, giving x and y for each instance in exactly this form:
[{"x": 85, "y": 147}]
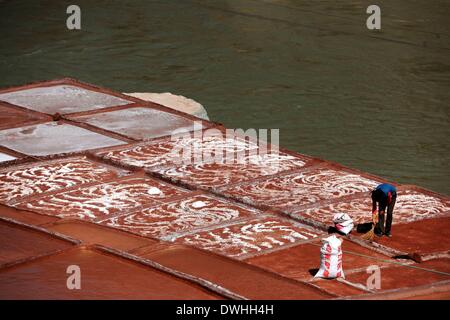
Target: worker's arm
[{"x": 374, "y": 211}]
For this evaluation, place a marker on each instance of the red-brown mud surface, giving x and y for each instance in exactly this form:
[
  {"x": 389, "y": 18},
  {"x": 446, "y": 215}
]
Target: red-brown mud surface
[
  {"x": 90, "y": 233},
  {"x": 337, "y": 288},
  {"x": 433, "y": 296},
  {"x": 103, "y": 277},
  {"x": 102, "y": 200},
  {"x": 302, "y": 262},
  {"x": 150, "y": 236},
  {"x": 19, "y": 242},
  {"x": 27, "y": 217},
  {"x": 421, "y": 237},
  {"x": 397, "y": 277},
  {"x": 238, "y": 277}
]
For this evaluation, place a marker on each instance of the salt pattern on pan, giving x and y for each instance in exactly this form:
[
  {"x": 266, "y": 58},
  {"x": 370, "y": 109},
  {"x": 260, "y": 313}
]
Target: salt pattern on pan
[{"x": 171, "y": 220}]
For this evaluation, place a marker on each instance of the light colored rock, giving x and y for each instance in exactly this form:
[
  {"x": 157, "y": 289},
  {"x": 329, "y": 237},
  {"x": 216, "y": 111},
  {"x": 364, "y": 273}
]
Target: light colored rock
[{"x": 173, "y": 101}]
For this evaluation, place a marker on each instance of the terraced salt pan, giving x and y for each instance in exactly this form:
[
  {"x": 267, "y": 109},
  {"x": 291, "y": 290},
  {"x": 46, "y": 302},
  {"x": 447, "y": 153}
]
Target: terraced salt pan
[
  {"x": 175, "y": 151},
  {"x": 62, "y": 99},
  {"x": 21, "y": 243},
  {"x": 53, "y": 138},
  {"x": 410, "y": 206},
  {"x": 35, "y": 178},
  {"x": 301, "y": 188},
  {"x": 250, "y": 238},
  {"x": 104, "y": 276},
  {"x": 180, "y": 216},
  {"x": 6, "y": 157},
  {"x": 210, "y": 175},
  {"x": 102, "y": 200},
  {"x": 139, "y": 123}
]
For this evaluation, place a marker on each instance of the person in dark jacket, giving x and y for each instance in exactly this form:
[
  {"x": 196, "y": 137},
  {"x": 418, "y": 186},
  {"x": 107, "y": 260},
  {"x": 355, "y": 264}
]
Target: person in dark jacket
[{"x": 384, "y": 195}]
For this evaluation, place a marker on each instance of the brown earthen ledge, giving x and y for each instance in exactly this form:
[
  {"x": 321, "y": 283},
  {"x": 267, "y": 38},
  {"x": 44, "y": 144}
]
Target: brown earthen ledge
[
  {"x": 90, "y": 233},
  {"x": 24, "y": 216}
]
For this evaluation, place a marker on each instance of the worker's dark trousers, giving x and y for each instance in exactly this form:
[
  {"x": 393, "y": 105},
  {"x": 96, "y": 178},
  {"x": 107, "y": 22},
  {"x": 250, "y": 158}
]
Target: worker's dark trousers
[
  {"x": 390, "y": 211},
  {"x": 380, "y": 228}
]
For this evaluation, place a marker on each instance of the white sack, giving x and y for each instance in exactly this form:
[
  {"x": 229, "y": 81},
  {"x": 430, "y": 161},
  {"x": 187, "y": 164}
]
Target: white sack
[
  {"x": 343, "y": 223},
  {"x": 330, "y": 259}
]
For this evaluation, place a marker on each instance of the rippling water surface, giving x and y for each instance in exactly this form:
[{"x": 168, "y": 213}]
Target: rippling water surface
[{"x": 376, "y": 101}]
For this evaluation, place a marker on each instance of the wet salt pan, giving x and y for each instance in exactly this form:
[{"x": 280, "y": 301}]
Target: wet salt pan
[
  {"x": 53, "y": 138},
  {"x": 139, "y": 123},
  {"x": 62, "y": 99}
]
